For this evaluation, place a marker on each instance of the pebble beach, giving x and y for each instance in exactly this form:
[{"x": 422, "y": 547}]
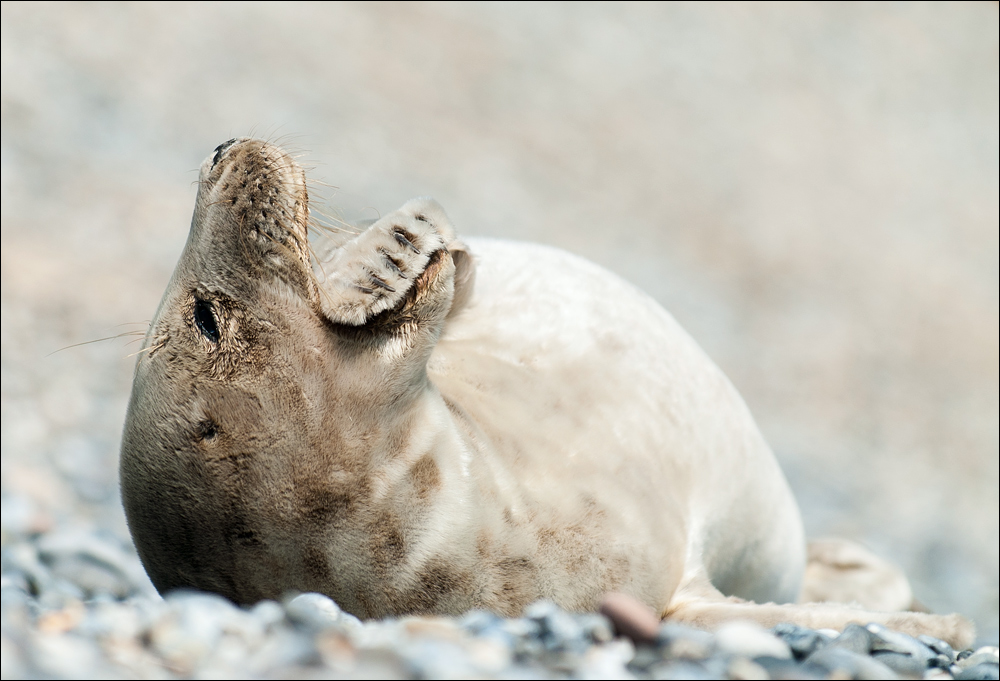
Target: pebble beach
[
  {"x": 76, "y": 604},
  {"x": 811, "y": 190}
]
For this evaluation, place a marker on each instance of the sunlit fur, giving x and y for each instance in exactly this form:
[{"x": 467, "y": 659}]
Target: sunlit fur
[{"x": 417, "y": 424}]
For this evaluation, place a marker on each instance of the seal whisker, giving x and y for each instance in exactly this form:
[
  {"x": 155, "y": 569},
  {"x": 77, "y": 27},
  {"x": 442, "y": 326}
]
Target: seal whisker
[
  {"x": 140, "y": 334},
  {"x": 150, "y": 349}
]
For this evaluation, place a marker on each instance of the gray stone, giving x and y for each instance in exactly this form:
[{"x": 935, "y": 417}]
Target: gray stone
[
  {"x": 679, "y": 641},
  {"x": 22, "y": 558},
  {"x": 901, "y": 663},
  {"x": 978, "y": 658},
  {"x": 429, "y": 658},
  {"x": 884, "y": 639},
  {"x": 854, "y": 638},
  {"x": 938, "y": 646},
  {"x": 680, "y": 669},
  {"x": 190, "y": 628},
  {"x": 841, "y": 661},
  {"x": 983, "y": 670},
  {"x": 96, "y": 561},
  {"x": 313, "y": 611},
  {"x": 609, "y": 661},
  {"x": 67, "y": 656},
  {"x": 478, "y": 621},
  {"x": 802, "y": 641},
  {"x": 983, "y": 654},
  {"x": 750, "y": 640},
  {"x": 284, "y": 648},
  {"x": 558, "y": 630},
  {"x": 597, "y": 627},
  {"x": 269, "y": 613},
  {"x": 784, "y": 668}
]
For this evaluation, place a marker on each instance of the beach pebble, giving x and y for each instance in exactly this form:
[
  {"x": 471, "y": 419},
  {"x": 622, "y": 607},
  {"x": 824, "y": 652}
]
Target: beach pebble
[
  {"x": 901, "y": 663},
  {"x": 802, "y": 641},
  {"x": 982, "y": 670},
  {"x": 938, "y": 646},
  {"x": 631, "y": 617},
  {"x": 750, "y": 640},
  {"x": 679, "y": 641},
  {"x": 841, "y": 662},
  {"x": 854, "y": 638},
  {"x": 313, "y": 611}
]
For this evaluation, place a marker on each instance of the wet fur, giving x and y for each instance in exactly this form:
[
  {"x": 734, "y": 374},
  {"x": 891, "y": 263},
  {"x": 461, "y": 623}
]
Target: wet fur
[{"x": 429, "y": 426}]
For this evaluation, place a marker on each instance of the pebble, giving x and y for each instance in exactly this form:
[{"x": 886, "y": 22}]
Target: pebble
[
  {"x": 854, "y": 638},
  {"x": 801, "y": 641},
  {"x": 76, "y": 603},
  {"x": 750, "y": 640},
  {"x": 842, "y": 662},
  {"x": 631, "y": 617}
]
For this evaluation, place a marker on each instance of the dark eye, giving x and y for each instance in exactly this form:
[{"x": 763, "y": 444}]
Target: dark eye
[{"x": 205, "y": 320}]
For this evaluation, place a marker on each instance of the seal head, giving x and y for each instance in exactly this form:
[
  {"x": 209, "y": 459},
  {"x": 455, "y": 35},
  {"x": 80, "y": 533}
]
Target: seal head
[{"x": 249, "y": 426}]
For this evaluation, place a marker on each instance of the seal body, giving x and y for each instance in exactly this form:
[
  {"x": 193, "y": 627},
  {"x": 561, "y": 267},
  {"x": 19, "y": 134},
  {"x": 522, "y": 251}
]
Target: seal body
[{"x": 414, "y": 423}]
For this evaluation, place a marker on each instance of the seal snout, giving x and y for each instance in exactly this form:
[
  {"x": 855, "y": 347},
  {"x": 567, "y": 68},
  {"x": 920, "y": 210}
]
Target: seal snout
[{"x": 254, "y": 192}]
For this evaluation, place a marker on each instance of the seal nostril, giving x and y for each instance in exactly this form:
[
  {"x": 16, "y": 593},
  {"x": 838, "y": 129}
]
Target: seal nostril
[{"x": 221, "y": 149}]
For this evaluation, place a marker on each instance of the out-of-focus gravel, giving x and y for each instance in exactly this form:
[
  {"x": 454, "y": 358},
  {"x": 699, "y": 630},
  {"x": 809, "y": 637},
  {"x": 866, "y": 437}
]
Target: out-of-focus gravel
[
  {"x": 76, "y": 604},
  {"x": 812, "y": 190}
]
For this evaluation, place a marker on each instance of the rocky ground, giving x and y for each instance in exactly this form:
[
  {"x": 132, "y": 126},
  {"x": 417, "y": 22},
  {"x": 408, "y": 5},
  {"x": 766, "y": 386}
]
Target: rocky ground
[
  {"x": 76, "y": 604},
  {"x": 811, "y": 189}
]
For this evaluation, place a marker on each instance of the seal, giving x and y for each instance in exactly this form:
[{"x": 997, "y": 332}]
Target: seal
[{"x": 421, "y": 424}]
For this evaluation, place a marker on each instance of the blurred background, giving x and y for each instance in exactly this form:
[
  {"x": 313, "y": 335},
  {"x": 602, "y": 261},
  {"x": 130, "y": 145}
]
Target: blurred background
[{"x": 812, "y": 190}]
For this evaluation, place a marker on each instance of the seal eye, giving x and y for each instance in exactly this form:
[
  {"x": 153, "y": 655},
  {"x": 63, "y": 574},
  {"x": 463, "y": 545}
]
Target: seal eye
[{"x": 205, "y": 320}]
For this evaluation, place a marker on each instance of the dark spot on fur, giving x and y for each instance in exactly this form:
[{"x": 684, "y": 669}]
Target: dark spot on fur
[
  {"x": 439, "y": 589},
  {"x": 386, "y": 543},
  {"x": 518, "y": 584},
  {"x": 315, "y": 563},
  {"x": 426, "y": 476},
  {"x": 325, "y": 506}
]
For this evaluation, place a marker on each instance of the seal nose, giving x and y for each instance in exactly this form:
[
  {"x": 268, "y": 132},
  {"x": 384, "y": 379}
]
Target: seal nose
[{"x": 221, "y": 149}]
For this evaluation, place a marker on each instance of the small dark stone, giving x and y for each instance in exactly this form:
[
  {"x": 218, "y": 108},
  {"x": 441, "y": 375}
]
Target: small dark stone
[
  {"x": 983, "y": 670},
  {"x": 939, "y": 662},
  {"x": 803, "y": 641}
]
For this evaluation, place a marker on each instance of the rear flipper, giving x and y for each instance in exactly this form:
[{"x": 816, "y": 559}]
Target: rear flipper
[
  {"x": 842, "y": 571},
  {"x": 697, "y": 603}
]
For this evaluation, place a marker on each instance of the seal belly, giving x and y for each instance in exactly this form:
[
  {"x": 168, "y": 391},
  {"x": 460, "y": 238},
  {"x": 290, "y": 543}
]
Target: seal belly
[{"x": 602, "y": 411}]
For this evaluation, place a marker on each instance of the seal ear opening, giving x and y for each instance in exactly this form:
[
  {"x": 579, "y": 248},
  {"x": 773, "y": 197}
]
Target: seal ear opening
[{"x": 465, "y": 276}]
